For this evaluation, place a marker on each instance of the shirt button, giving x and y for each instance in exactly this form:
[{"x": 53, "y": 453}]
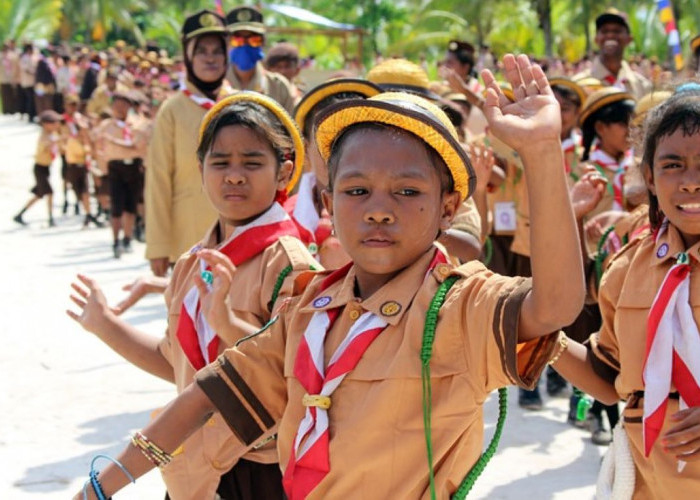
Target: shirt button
[{"x": 354, "y": 314}]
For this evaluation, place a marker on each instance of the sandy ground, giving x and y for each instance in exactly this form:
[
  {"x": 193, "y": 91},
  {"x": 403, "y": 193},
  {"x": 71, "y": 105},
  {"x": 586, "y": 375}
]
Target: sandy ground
[{"x": 65, "y": 397}]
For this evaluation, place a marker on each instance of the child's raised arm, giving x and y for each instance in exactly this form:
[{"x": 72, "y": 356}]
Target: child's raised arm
[{"x": 531, "y": 125}]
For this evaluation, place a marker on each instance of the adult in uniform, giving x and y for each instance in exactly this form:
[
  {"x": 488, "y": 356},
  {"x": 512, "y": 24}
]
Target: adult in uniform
[
  {"x": 612, "y": 36},
  {"x": 247, "y": 71},
  {"x": 177, "y": 211}
]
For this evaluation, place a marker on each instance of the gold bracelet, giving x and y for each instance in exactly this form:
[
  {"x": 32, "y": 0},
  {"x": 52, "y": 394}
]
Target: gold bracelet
[{"x": 563, "y": 344}]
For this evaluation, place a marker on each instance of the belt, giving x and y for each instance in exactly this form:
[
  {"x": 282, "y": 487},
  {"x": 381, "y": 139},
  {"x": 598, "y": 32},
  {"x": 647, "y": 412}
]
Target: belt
[{"x": 126, "y": 161}]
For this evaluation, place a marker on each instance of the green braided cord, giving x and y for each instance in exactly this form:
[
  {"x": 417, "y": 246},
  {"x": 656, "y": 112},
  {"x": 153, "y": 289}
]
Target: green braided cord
[
  {"x": 600, "y": 170},
  {"x": 488, "y": 251},
  {"x": 278, "y": 285},
  {"x": 466, "y": 485},
  {"x": 600, "y": 255},
  {"x": 426, "y": 352}
]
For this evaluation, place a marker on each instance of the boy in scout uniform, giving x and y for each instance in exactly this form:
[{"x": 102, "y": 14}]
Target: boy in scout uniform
[
  {"x": 247, "y": 72},
  {"x": 101, "y": 98},
  {"x": 121, "y": 149},
  {"x": 265, "y": 250},
  {"x": 78, "y": 150},
  {"x": 47, "y": 149},
  {"x": 612, "y": 36},
  {"x": 177, "y": 211},
  {"x": 345, "y": 354}
]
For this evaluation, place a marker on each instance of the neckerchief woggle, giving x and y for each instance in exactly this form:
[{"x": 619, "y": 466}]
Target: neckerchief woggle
[
  {"x": 310, "y": 461},
  {"x": 672, "y": 348},
  {"x": 198, "y": 340}
]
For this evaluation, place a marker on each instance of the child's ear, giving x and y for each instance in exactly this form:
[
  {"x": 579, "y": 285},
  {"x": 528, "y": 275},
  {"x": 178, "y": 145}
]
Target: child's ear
[
  {"x": 284, "y": 174},
  {"x": 327, "y": 198},
  {"x": 649, "y": 179},
  {"x": 201, "y": 168},
  {"x": 600, "y": 128},
  {"x": 450, "y": 205}
]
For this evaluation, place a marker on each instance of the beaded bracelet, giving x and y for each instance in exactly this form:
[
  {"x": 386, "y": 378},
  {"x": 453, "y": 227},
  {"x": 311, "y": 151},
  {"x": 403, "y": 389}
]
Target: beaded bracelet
[
  {"x": 95, "y": 483},
  {"x": 150, "y": 450},
  {"x": 563, "y": 344}
]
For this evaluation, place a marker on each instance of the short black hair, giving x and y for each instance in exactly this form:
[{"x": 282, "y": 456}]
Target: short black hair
[
  {"x": 254, "y": 117},
  {"x": 615, "y": 112},
  {"x": 447, "y": 184},
  {"x": 568, "y": 94}
]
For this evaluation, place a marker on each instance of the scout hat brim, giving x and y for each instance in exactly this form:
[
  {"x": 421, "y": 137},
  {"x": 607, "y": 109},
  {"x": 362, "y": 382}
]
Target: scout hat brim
[
  {"x": 600, "y": 99},
  {"x": 410, "y": 89},
  {"x": 571, "y": 85},
  {"x": 258, "y": 28},
  {"x": 407, "y": 112},
  {"x": 330, "y": 88},
  {"x": 277, "y": 110}
]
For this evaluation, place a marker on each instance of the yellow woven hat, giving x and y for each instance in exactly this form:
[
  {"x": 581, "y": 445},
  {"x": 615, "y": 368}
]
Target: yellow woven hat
[
  {"x": 407, "y": 112},
  {"x": 277, "y": 110},
  {"x": 601, "y": 98},
  {"x": 589, "y": 84},
  {"x": 646, "y": 103},
  {"x": 568, "y": 83},
  {"x": 402, "y": 75},
  {"x": 332, "y": 87}
]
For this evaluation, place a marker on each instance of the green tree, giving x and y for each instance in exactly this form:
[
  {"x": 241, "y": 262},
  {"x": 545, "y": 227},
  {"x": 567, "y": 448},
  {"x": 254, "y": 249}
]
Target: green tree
[{"x": 29, "y": 19}]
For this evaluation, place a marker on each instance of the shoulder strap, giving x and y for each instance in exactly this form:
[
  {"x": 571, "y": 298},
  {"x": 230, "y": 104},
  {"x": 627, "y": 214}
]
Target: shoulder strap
[
  {"x": 431, "y": 318},
  {"x": 295, "y": 251}
]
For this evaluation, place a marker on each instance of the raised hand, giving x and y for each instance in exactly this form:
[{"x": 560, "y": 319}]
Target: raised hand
[
  {"x": 214, "y": 297},
  {"x": 138, "y": 288},
  {"x": 94, "y": 310},
  {"x": 586, "y": 193},
  {"x": 533, "y": 117},
  {"x": 483, "y": 161}
]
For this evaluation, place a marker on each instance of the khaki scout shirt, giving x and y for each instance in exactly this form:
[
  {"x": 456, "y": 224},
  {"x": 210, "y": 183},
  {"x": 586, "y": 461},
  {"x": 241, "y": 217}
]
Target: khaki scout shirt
[
  {"x": 178, "y": 212},
  {"x": 111, "y": 151},
  {"x": 266, "y": 82},
  {"x": 627, "y": 291},
  {"x": 46, "y": 147},
  {"x": 76, "y": 146},
  {"x": 632, "y": 81},
  {"x": 210, "y": 452},
  {"x": 377, "y": 445}
]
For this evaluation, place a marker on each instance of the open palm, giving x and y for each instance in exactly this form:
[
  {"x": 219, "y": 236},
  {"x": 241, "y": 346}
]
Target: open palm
[{"x": 534, "y": 115}]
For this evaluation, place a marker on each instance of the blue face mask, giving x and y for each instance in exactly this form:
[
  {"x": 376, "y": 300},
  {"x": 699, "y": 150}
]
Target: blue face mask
[{"x": 246, "y": 57}]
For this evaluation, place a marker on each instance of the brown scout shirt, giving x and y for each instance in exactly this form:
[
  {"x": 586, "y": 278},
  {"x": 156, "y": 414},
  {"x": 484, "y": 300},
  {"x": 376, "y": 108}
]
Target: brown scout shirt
[
  {"x": 178, "y": 212},
  {"x": 210, "y": 452},
  {"x": 109, "y": 150},
  {"x": 377, "y": 445},
  {"x": 627, "y": 291}
]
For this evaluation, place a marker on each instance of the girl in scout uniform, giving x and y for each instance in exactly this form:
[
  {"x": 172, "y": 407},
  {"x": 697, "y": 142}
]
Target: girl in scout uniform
[
  {"x": 339, "y": 375},
  {"x": 647, "y": 350},
  {"x": 250, "y": 155},
  {"x": 177, "y": 212},
  {"x": 306, "y": 207}
]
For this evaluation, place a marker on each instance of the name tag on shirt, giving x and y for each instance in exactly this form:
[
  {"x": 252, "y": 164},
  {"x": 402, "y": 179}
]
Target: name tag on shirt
[{"x": 504, "y": 216}]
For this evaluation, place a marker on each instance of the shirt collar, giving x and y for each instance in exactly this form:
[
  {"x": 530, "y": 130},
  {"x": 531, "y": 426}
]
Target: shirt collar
[
  {"x": 670, "y": 244},
  {"x": 389, "y": 302}
]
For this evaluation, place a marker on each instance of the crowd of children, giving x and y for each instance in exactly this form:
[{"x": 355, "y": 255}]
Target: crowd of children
[{"x": 359, "y": 274}]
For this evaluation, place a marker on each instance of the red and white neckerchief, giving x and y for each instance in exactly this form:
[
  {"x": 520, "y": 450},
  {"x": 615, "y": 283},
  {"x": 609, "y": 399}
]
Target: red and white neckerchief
[
  {"x": 198, "y": 340},
  {"x": 672, "y": 347},
  {"x": 603, "y": 161},
  {"x": 127, "y": 135},
  {"x": 310, "y": 459},
  {"x": 205, "y": 102},
  {"x": 571, "y": 144},
  {"x": 313, "y": 228},
  {"x": 70, "y": 122},
  {"x": 53, "y": 148},
  {"x": 619, "y": 82}
]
